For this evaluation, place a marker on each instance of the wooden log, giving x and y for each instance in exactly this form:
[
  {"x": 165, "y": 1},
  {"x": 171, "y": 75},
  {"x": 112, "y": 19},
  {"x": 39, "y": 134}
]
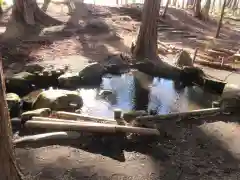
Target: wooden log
[
  {"x": 216, "y": 65},
  {"x": 66, "y": 120},
  {"x": 90, "y": 127},
  {"x": 75, "y": 116},
  {"x": 48, "y": 136},
  {"x": 226, "y": 51},
  {"x": 208, "y": 111}
]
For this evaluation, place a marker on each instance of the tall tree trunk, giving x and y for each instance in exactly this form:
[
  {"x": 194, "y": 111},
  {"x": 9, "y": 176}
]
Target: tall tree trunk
[
  {"x": 174, "y": 3},
  {"x": 205, "y": 9},
  {"x": 165, "y": 9},
  {"x": 146, "y": 45},
  {"x": 8, "y": 165},
  {"x": 220, "y": 20},
  {"x": 197, "y": 9},
  {"x": 27, "y": 17}
]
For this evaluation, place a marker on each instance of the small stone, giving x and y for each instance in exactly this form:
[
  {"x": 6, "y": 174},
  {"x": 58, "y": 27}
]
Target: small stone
[{"x": 109, "y": 96}]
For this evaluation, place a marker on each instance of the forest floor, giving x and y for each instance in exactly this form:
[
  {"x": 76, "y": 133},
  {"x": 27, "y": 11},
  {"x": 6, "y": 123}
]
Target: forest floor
[{"x": 190, "y": 151}]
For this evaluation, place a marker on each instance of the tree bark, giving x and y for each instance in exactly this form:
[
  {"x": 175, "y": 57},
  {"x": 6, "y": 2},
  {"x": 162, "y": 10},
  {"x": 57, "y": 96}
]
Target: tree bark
[
  {"x": 205, "y": 9},
  {"x": 165, "y": 9},
  {"x": 8, "y": 165},
  {"x": 146, "y": 45},
  {"x": 197, "y": 9},
  {"x": 220, "y": 20}
]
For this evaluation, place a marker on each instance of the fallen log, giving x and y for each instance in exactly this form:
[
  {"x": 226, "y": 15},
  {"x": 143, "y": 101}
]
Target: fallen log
[
  {"x": 216, "y": 65},
  {"x": 47, "y": 136},
  {"x": 90, "y": 127},
  {"x": 75, "y": 116},
  {"x": 187, "y": 114},
  {"x": 67, "y": 120}
]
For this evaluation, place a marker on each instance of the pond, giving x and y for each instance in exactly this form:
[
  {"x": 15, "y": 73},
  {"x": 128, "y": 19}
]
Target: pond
[{"x": 138, "y": 91}]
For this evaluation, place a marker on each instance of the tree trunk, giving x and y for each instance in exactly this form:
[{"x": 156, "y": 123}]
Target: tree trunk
[
  {"x": 174, "y": 3},
  {"x": 220, "y": 20},
  {"x": 146, "y": 45},
  {"x": 205, "y": 9},
  {"x": 197, "y": 9},
  {"x": 165, "y": 9},
  {"x": 26, "y": 18},
  {"x": 8, "y": 166}
]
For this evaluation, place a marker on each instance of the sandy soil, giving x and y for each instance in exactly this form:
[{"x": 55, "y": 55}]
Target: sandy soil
[{"x": 186, "y": 151}]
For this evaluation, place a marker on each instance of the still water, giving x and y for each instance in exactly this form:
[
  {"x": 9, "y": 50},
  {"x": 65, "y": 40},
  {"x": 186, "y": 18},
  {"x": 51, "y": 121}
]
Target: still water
[{"x": 139, "y": 91}]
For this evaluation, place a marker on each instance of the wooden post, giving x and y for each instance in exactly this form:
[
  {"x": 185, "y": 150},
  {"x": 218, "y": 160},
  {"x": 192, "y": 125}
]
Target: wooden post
[
  {"x": 195, "y": 55},
  {"x": 220, "y": 20},
  {"x": 118, "y": 116}
]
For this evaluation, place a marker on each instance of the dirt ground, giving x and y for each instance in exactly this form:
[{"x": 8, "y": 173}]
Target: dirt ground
[{"x": 187, "y": 151}]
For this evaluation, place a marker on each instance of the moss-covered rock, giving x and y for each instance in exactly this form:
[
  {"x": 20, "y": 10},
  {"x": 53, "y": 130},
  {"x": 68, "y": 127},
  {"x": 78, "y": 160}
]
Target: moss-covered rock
[
  {"x": 183, "y": 59},
  {"x": 58, "y": 100},
  {"x": 14, "y": 104}
]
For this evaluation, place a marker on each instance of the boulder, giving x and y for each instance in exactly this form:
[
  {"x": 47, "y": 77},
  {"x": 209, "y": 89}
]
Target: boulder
[
  {"x": 230, "y": 98},
  {"x": 33, "y": 68},
  {"x": 27, "y": 100},
  {"x": 43, "y": 112},
  {"x": 16, "y": 124},
  {"x": 115, "y": 64},
  {"x": 183, "y": 59},
  {"x": 98, "y": 25},
  {"x": 58, "y": 100},
  {"x": 89, "y": 75},
  {"x": 109, "y": 96},
  {"x": 14, "y": 104},
  {"x": 69, "y": 80},
  {"x": 21, "y": 83},
  {"x": 131, "y": 115}
]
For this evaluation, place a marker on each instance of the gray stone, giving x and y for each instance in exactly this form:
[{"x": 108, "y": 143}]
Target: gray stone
[
  {"x": 89, "y": 74},
  {"x": 109, "y": 96},
  {"x": 43, "y": 112},
  {"x": 20, "y": 83},
  {"x": 69, "y": 80},
  {"x": 230, "y": 98},
  {"x": 58, "y": 100},
  {"x": 33, "y": 68},
  {"x": 97, "y": 24},
  {"x": 13, "y": 101},
  {"x": 183, "y": 59},
  {"x": 131, "y": 115}
]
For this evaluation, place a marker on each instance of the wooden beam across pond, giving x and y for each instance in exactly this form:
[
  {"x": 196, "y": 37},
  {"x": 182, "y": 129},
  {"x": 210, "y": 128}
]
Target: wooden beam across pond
[{"x": 209, "y": 111}]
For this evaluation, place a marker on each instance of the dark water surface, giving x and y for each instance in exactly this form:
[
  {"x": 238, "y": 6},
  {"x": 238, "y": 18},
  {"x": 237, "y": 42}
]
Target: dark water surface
[{"x": 136, "y": 90}]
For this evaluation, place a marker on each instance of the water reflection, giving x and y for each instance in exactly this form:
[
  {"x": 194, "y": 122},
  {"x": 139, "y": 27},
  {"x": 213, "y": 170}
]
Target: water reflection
[{"x": 138, "y": 91}]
